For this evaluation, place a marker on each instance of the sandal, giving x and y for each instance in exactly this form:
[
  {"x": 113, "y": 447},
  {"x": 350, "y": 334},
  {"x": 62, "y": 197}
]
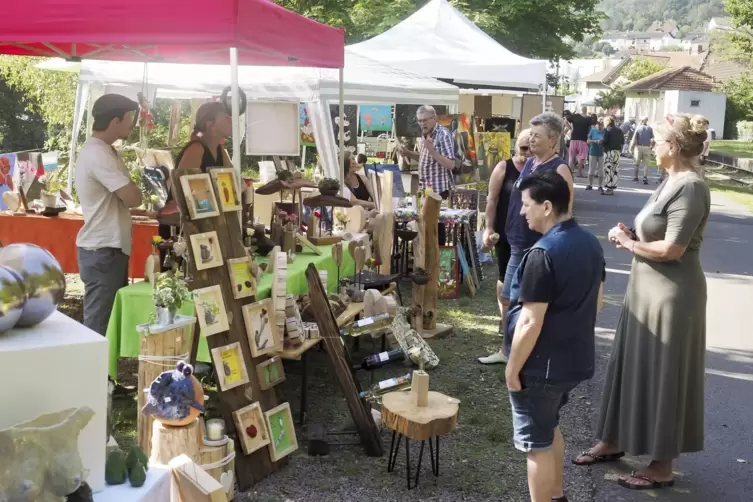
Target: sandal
[
  {"x": 653, "y": 484},
  {"x": 598, "y": 459}
]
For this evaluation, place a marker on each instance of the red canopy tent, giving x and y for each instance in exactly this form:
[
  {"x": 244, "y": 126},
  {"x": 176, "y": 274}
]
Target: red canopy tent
[{"x": 173, "y": 31}]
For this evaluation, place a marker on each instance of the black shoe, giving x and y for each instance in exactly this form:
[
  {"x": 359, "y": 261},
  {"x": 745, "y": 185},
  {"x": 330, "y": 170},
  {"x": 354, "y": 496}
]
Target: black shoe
[
  {"x": 645, "y": 180},
  {"x": 635, "y": 179},
  {"x": 589, "y": 187}
]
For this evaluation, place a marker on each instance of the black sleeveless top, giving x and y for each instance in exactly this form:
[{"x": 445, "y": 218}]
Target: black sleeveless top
[
  {"x": 503, "y": 198},
  {"x": 207, "y": 160},
  {"x": 360, "y": 192}
]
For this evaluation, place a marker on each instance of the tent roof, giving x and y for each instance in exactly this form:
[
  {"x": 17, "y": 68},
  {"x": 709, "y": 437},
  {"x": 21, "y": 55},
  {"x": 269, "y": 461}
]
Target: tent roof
[
  {"x": 186, "y": 31},
  {"x": 438, "y": 41},
  {"x": 364, "y": 81}
]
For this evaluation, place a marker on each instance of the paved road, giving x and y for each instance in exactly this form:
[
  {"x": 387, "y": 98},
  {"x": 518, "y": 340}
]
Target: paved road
[{"x": 716, "y": 474}]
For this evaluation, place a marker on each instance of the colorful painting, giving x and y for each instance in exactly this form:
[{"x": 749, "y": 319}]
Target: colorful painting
[
  {"x": 241, "y": 279},
  {"x": 281, "y": 432},
  {"x": 210, "y": 310},
  {"x": 29, "y": 170},
  {"x": 262, "y": 333},
  {"x": 375, "y": 118},
  {"x": 251, "y": 428},
  {"x": 307, "y": 130},
  {"x": 229, "y": 366},
  {"x": 7, "y": 170},
  {"x": 199, "y": 195},
  {"x": 270, "y": 372},
  {"x": 349, "y": 124},
  {"x": 448, "y": 272},
  {"x": 496, "y": 149},
  {"x": 228, "y": 188}
]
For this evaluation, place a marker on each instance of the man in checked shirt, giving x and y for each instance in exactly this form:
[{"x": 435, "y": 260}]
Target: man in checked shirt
[{"x": 436, "y": 159}]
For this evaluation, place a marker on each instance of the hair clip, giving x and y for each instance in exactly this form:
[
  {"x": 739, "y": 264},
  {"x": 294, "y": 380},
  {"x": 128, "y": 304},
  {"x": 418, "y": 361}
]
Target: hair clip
[{"x": 670, "y": 119}]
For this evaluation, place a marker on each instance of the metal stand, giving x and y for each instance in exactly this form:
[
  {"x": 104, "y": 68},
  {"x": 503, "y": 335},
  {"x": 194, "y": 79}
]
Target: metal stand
[{"x": 395, "y": 448}]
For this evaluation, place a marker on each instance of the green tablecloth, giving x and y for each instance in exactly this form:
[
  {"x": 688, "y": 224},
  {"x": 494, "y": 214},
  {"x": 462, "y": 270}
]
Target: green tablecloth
[{"x": 133, "y": 304}]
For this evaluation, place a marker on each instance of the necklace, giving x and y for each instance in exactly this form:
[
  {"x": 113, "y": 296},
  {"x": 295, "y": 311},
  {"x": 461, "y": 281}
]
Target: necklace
[{"x": 536, "y": 165}]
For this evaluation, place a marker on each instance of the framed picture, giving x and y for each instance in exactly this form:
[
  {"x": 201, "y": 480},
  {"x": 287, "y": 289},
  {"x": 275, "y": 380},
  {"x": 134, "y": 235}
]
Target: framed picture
[
  {"x": 206, "y": 250},
  {"x": 228, "y": 188},
  {"x": 281, "y": 432},
  {"x": 263, "y": 335},
  {"x": 241, "y": 279},
  {"x": 230, "y": 366},
  {"x": 199, "y": 194},
  {"x": 270, "y": 373},
  {"x": 448, "y": 272},
  {"x": 210, "y": 310},
  {"x": 273, "y": 128},
  {"x": 251, "y": 429}
]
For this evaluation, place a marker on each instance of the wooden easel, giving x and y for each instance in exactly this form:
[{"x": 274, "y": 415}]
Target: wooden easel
[{"x": 255, "y": 467}]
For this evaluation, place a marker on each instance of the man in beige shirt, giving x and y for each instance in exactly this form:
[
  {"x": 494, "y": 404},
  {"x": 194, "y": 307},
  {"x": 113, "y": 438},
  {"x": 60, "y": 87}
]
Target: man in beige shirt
[{"x": 107, "y": 195}]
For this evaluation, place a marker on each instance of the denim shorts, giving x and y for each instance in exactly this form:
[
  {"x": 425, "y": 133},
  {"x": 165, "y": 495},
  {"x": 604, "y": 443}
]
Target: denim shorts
[
  {"x": 516, "y": 256},
  {"x": 536, "y": 411}
]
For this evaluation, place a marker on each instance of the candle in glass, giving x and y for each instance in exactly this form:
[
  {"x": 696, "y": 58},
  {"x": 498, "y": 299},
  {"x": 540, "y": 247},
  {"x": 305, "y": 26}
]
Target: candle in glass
[{"x": 215, "y": 429}]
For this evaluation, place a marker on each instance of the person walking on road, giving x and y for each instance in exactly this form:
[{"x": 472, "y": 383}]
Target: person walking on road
[
  {"x": 581, "y": 124},
  {"x": 613, "y": 143},
  {"x": 641, "y": 145},
  {"x": 653, "y": 400},
  {"x": 500, "y": 188},
  {"x": 596, "y": 155},
  {"x": 627, "y": 128}
]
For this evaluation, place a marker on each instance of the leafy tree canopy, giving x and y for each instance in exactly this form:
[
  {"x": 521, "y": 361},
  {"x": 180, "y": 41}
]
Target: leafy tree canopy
[{"x": 640, "y": 68}]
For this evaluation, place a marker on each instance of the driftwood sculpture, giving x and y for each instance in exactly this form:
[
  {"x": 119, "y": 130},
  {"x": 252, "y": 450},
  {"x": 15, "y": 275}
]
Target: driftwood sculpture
[{"x": 40, "y": 457}]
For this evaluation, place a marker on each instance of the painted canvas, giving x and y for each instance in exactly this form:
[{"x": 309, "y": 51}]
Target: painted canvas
[
  {"x": 229, "y": 366},
  {"x": 241, "y": 279},
  {"x": 349, "y": 125},
  {"x": 210, "y": 310},
  {"x": 281, "y": 432},
  {"x": 199, "y": 194},
  {"x": 375, "y": 117},
  {"x": 307, "y": 130},
  {"x": 251, "y": 428},
  {"x": 228, "y": 188},
  {"x": 448, "y": 272},
  {"x": 206, "y": 250},
  {"x": 7, "y": 169},
  {"x": 262, "y": 332},
  {"x": 28, "y": 174}
]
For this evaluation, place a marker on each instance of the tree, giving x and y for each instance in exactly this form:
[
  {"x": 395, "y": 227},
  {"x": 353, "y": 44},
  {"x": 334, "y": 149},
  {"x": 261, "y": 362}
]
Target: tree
[
  {"x": 610, "y": 99},
  {"x": 738, "y": 45},
  {"x": 510, "y": 23},
  {"x": 46, "y": 94},
  {"x": 639, "y": 68},
  {"x": 20, "y": 129},
  {"x": 739, "y": 102}
]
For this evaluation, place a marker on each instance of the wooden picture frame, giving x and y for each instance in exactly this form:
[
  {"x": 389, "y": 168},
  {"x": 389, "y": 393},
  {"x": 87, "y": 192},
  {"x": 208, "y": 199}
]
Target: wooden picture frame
[
  {"x": 261, "y": 329},
  {"x": 228, "y": 188},
  {"x": 281, "y": 432},
  {"x": 210, "y": 310},
  {"x": 199, "y": 195},
  {"x": 448, "y": 272},
  {"x": 206, "y": 250},
  {"x": 251, "y": 427},
  {"x": 270, "y": 373},
  {"x": 242, "y": 280},
  {"x": 230, "y": 366}
]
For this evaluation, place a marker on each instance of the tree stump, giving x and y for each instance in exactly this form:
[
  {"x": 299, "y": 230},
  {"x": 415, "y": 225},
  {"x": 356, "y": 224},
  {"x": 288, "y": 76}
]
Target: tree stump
[
  {"x": 427, "y": 255},
  {"x": 171, "y": 344},
  {"x": 419, "y": 423},
  {"x": 219, "y": 462},
  {"x": 169, "y": 442}
]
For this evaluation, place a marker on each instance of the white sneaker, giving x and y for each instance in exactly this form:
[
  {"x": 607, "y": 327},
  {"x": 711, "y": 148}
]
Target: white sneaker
[{"x": 497, "y": 358}]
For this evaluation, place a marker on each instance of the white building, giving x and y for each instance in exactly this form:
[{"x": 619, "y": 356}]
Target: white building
[
  {"x": 720, "y": 24},
  {"x": 676, "y": 90}
]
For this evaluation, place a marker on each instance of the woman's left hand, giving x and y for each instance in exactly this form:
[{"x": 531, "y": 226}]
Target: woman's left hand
[{"x": 619, "y": 237}]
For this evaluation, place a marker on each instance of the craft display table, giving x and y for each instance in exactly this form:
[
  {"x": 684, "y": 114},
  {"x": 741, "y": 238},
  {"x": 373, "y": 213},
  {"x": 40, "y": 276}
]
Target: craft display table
[
  {"x": 58, "y": 236},
  {"x": 418, "y": 423},
  {"x": 133, "y": 303},
  {"x": 157, "y": 488}
]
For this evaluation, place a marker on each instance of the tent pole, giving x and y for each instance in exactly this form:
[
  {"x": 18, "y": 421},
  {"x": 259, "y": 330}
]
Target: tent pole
[
  {"x": 340, "y": 129},
  {"x": 74, "y": 135},
  {"x": 235, "y": 107},
  {"x": 543, "y": 99}
]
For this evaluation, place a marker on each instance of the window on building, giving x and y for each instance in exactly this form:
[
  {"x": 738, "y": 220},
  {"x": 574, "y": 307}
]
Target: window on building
[{"x": 695, "y": 103}]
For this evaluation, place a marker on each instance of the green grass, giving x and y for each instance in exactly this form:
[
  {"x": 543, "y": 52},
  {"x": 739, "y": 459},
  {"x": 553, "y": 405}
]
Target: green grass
[
  {"x": 743, "y": 195},
  {"x": 741, "y": 149}
]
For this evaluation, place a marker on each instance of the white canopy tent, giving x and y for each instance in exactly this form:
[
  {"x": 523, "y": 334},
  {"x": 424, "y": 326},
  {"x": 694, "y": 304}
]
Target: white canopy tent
[
  {"x": 364, "y": 82},
  {"x": 438, "y": 41}
]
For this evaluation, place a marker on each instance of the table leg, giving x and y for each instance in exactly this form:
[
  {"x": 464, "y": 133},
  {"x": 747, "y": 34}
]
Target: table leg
[
  {"x": 434, "y": 461},
  {"x": 407, "y": 460},
  {"x": 418, "y": 467},
  {"x": 304, "y": 387},
  {"x": 393, "y": 453}
]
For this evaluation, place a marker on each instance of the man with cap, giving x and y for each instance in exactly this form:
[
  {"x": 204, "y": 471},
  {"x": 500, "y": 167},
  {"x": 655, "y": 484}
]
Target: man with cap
[{"x": 107, "y": 195}]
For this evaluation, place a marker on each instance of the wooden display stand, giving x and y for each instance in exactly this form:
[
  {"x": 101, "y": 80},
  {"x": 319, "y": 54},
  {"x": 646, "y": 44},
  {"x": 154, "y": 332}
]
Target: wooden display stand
[
  {"x": 161, "y": 349},
  {"x": 169, "y": 442},
  {"x": 384, "y": 230},
  {"x": 252, "y": 468},
  {"x": 223, "y": 457}
]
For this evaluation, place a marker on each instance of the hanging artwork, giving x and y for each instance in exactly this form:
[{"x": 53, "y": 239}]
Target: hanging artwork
[
  {"x": 229, "y": 366},
  {"x": 349, "y": 125},
  {"x": 7, "y": 168},
  {"x": 406, "y": 123},
  {"x": 496, "y": 147},
  {"x": 199, "y": 194},
  {"x": 263, "y": 335},
  {"x": 242, "y": 280},
  {"x": 210, "y": 310},
  {"x": 28, "y": 175},
  {"x": 251, "y": 428},
  {"x": 448, "y": 272},
  {"x": 307, "y": 130},
  {"x": 270, "y": 373},
  {"x": 228, "y": 188},
  {"x": 375, "y": 117},
  {"x": 281, "y": 432},
  {"x": 273, "y": 128},
  {"x": 206, "y": 250}
]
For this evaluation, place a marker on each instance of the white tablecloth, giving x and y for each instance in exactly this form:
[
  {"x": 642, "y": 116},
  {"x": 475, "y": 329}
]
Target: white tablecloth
[{"x": 157, "y": 488}]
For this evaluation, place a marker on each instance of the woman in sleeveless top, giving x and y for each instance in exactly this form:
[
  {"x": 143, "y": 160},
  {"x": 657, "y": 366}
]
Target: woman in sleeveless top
[
  {"x": 501, "y": 182},
  {"x": 546, "y": 130},
  {"x": 358, "y": 185}
]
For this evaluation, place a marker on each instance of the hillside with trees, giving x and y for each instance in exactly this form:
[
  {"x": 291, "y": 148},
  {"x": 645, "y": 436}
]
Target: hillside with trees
[{"x": 637, "y": 15}]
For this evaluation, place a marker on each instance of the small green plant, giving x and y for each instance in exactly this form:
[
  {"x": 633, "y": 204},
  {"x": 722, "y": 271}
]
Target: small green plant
[
  {"x": 329, "y": 185},
  {"x": 170, "y": 293}
]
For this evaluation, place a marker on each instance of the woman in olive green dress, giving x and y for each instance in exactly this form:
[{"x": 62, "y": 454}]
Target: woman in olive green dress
[{"x": 653, "y": 393}]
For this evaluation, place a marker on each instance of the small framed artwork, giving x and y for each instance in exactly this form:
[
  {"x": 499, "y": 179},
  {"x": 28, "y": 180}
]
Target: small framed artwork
[
  {"x": 230, "y": 366},
  {"x": 448, "y": 272},
  {"x": 251, "y": 429},
  {"x": 210, "y": 310},
  {"x": 199, "y": 194},
  {"x": 263, "y": 335},
  {"x": 270, "y": 373},
  {"x": 281, "y": 432},
  {"x": 228, "y": 188},
  {"x": 206, "y": 250},
  {"x": 241, "y": 279}
]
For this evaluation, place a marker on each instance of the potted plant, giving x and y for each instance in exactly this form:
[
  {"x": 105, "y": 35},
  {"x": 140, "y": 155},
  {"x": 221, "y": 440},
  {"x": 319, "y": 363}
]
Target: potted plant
[
  {"x": 50, "y": 192},
  {"x": 169, "y": 295},
  {"x": 329, "y": 186}
]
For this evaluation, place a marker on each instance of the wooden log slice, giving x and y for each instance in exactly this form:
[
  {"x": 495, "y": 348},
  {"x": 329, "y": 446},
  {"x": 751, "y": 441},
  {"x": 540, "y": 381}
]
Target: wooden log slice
[{"x": 419, "y": 422}]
